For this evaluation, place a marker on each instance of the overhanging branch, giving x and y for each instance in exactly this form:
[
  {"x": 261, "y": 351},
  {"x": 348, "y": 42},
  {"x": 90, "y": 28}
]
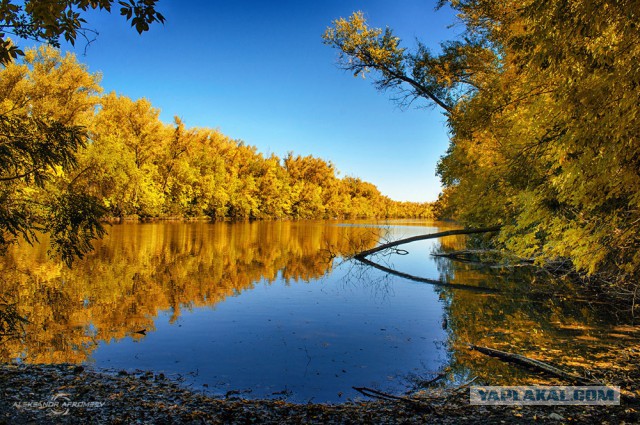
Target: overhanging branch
[{"x": 361, "y": 255}]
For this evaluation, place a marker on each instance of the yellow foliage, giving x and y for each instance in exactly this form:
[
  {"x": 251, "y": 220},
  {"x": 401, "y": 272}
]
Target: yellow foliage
[
  {"x": 552, "y": 140},
  {"x": 137, "y": 166}
]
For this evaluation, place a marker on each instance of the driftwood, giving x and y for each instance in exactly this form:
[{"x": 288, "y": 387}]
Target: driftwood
[
  {"x": 465, "y": 385},
  {"x": 429, "y": 281},
  {"x": 534, "y": 364},
  {"x": 424, "y": 384},
  {"x": 465, "y": 255},
  {"x": 370, "y": 392},
  {"x": 476, "y": 256},
  {"x": 362, "y": 254}
]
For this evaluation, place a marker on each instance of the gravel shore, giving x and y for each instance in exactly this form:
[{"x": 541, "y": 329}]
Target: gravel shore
[{"x": 69, "y": 394}]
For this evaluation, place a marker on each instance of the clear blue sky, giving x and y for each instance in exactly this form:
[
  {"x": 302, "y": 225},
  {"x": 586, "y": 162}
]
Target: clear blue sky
[{"x": 258, "y": 71}]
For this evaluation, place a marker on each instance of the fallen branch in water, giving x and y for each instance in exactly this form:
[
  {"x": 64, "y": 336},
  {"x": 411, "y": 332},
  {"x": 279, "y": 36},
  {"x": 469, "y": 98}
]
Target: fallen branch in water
[
  {"x": 485, "y": 256},
  {"x": 465, "y": 385},
  {"x": 467, "y": 255},
  {"x": 362, "y": 254},
  {"x": 424, "y": 384},
  {"x": 429, "y": 281},
  {"x": 370, "y": 392},
  {"x": 534, "y": 364}
]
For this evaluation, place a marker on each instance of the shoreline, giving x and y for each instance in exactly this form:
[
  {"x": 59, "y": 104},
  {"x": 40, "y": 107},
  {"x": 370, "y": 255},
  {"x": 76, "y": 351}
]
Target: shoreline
[{"x": 31, "y": 394}]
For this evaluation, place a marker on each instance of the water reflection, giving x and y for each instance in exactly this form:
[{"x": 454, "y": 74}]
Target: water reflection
[
  {"x": 270, "y": 308},
  {"x": 534, "y": 314},
  {"x": 139, "y": 270}
]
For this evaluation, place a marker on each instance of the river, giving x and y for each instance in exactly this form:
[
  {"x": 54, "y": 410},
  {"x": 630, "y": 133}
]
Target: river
[{"x": 277, "y": 310}]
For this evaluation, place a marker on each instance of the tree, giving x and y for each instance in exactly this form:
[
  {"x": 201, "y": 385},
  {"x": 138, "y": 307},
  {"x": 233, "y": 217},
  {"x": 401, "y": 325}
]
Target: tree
[
  {"x": 541, "y": 100},
  {"x": 33, "y": 151},
  {"x": 412, "y": 75},
  {"x": 274, "y": 190},
  {"x": 42, "y": 104},
  {"x": 48, "y": 21},
  {"x": 126, "y": 148}
]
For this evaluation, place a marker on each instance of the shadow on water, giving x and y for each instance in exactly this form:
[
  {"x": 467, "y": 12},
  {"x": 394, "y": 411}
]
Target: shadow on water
[{"x": 274, "y": 309}]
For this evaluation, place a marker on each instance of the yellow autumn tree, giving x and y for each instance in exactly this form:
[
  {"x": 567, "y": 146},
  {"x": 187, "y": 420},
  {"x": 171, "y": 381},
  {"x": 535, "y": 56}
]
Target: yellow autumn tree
[
  {"x": 45, "y": 102},
  {"x": 541, "y": 101},
  {"x": 127, "y": 141},
  {"x": 39, "y": 148}
]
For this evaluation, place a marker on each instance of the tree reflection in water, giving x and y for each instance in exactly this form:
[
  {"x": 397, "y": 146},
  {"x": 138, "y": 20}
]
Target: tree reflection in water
[
  {"x": 141, "y": 269},
  {"x": 536, "y": 315}
]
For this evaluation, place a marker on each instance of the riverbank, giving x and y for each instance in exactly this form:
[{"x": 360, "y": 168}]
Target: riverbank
[{"x": 68, "y": 394}]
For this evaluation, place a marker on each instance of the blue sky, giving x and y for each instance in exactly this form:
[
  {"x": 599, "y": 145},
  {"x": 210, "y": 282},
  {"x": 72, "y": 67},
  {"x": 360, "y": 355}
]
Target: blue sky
[{"x": 258, "y": 71}]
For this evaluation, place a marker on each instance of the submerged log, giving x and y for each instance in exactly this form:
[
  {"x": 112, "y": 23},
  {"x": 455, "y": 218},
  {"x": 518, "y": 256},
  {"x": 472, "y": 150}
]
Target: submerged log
[
  {"x": 370, "y": 392},
  {"x": 432, "y": 381},
  {"x": 362, "y": 254},
  {"x": 426, "y": 280},
  {"x": 467, "y": 255},
  {"x": 533, "y": 364}
]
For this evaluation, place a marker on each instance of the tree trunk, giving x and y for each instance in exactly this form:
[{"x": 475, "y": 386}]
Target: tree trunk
[
  {"x": 360, "y": 256},
  {"x": 534, "y": 364}
]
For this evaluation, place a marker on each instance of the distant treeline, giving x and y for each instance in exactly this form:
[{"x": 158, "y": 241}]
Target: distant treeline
[{"x": 138, "y": 166}]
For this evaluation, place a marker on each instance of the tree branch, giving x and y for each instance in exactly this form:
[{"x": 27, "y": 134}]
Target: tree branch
[
  {"x": 533, "y": 364},
  {"x": 426, "y": 280},
  {"x": 19, "y": 176},
  {"x": 360, "y": 256},
  {"x": 404, "y": 78}
]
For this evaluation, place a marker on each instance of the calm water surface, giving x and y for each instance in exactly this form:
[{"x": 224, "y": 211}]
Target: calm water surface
[{"x": 273, "y": 309}]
